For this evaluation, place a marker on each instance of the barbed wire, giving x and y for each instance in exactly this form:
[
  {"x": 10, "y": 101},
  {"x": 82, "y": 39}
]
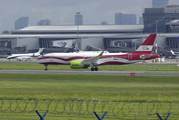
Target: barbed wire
[{"x": 70, "y": 106}]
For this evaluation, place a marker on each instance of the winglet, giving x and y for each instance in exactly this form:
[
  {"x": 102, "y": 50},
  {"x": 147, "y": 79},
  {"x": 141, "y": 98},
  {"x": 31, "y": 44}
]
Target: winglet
[
  {"x": 40, "y": 50},
  {"x": 101, "y": 54}
]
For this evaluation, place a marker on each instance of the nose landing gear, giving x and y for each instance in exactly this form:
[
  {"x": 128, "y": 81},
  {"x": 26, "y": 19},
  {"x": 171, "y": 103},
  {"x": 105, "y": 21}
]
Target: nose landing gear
[{"x": 45, "y": 66}]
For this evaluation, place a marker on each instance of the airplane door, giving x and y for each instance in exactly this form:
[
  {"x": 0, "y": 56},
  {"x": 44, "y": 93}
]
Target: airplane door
[
  {"x": 129, "y": 57},
  {"x": 51, "y": 57}
]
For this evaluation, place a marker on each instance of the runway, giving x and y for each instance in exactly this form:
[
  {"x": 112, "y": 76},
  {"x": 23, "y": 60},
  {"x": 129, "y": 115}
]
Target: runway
[
  {"x": 137, "y": 73},
  {"x": 81, "y": 72}
]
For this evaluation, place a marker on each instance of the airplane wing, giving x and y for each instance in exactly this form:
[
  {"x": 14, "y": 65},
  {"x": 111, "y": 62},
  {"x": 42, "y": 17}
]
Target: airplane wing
[{"x": 92, "y": 61}]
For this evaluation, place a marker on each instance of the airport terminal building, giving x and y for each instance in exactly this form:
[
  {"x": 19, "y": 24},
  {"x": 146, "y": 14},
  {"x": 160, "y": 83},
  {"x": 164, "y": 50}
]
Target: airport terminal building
[{"x": 112, "y": 38}]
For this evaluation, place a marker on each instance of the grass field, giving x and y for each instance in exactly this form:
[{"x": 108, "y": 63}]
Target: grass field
[
  {"x": 105, "y": 87},
  {"x": 102, "y": 87}
]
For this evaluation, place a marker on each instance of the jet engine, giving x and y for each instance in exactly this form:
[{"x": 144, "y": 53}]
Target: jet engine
[
  {"x": 78, "y": 65},
  {"x": 36, "y": 54}
]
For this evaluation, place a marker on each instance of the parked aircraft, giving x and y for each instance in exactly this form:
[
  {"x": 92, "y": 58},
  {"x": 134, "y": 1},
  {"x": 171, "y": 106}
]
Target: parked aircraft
[
  {"x": 25, "y": 57},
  {"x": 172, "y": 52},
  {"x": 76, "y": 49},
  {"x": 175, "y": 54},
  {"x": 82, "y": 60}
]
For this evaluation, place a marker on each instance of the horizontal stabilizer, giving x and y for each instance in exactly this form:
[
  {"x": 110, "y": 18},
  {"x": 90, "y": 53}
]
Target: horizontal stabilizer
[{"x": 145, "y": 56}]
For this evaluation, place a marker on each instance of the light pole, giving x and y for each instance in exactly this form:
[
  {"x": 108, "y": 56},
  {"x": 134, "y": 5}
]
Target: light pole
[
  {"x": 77, "y": 25},
  {"x": 156, "y": 40},
  {"x": 156, "y": 25}
]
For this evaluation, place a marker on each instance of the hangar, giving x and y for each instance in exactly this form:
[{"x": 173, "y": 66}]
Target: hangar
[{"x": 113, "y": 38}]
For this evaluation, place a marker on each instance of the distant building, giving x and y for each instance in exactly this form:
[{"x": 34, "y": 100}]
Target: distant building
[
  {"x": 125, "y": 19},
  {"x": 44, "y": 22},
  {"x": 104, "y": 23},
  {"x": 78, "y": 19},
  {"x": 162, "y": 16},
  {"x": 21, "y": 22},
  {"x": 159, "y": 3},
  {"x": 140, "y": 20}
]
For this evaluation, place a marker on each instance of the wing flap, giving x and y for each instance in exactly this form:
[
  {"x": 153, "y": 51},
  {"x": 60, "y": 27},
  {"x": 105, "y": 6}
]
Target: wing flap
[{"x": 92, "y": 60}]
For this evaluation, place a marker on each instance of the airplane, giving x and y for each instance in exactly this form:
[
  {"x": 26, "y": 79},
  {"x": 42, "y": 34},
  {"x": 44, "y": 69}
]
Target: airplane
[
  {"x": 176, "y": 54},
  {"x": 82, "y": 60},
  {"x": 172, "y": 52},
  {"x": 76, "y": 49},
  {"x": 25, "y": 57}
]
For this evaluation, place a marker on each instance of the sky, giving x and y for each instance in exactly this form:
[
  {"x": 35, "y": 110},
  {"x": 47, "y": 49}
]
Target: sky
[{"x": 62, "y": 12}]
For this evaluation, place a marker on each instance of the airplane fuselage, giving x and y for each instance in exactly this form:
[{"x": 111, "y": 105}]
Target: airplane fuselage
[
  {"x": 19, "y": 55},
  {"x": 25, "y": 56},
  {"x": 106, "y": 59}
]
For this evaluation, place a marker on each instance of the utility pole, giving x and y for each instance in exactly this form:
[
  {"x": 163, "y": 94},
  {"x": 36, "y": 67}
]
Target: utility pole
[
  {"x": 156, "y": 25},
  {"x": 77, "y": 26}
]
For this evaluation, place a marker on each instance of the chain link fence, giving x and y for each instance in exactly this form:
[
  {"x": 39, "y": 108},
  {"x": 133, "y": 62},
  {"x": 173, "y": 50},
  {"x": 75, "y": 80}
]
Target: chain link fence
[{"x": 130, "y": 110}]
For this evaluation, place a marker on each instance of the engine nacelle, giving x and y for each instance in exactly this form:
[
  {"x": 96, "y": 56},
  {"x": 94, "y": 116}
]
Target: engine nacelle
[
  {"x": 23, "y": 58},
  {"x": 36, "y": 54},
  {"x": 77, "y": 65}
]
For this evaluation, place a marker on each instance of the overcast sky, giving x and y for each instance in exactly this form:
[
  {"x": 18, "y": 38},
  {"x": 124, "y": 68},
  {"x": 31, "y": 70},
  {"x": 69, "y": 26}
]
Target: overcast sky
[{"x": 61, "y": 12}]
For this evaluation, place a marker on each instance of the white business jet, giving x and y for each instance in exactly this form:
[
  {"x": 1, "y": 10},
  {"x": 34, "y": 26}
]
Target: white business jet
[{"x": 25, "y": 57}]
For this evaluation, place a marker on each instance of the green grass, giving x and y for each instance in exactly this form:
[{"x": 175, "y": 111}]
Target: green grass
[
  {"x": 102, "y": 87},
  {"x": 105, "y": 87},
  {"x": 132, "y": 67}
]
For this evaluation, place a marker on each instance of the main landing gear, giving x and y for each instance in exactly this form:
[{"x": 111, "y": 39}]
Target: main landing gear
[
  {"x": 45, "y": 66},
  {"x": 94, "y": 69}
]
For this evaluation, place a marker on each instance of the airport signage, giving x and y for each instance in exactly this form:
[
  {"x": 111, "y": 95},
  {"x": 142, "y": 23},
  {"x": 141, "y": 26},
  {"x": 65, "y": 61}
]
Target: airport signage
[
  {"x": 63, "y": 43},
  {"x": 5, "y": 44}
]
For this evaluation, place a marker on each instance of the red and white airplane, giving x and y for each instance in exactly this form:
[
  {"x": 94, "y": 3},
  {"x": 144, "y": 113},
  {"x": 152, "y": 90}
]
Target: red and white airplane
[{"x": 82, "y": 60}]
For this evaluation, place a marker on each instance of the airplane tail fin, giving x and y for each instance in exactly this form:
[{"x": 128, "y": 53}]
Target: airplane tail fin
[
  {"x": 75, "y": 48},
  {"x": 172, "y": 52},
  {"x": 147, "y": 45},
  {"x": 40, "y": 50}
]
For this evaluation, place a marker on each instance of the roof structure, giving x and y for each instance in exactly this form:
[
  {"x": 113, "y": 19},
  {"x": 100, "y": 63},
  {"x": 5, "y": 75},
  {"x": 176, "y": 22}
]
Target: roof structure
[
  {"x": 138, "y": 35},
  {"x": 81, "y": 28}
]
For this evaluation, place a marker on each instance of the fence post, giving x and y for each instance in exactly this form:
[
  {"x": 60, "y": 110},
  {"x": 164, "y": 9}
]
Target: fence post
[
  {"x": 41, "y": 118},
  {"x": 159, "y": 116},
  {"x": 98, "y": 116},
  {"x": 165, "y": 118}
]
